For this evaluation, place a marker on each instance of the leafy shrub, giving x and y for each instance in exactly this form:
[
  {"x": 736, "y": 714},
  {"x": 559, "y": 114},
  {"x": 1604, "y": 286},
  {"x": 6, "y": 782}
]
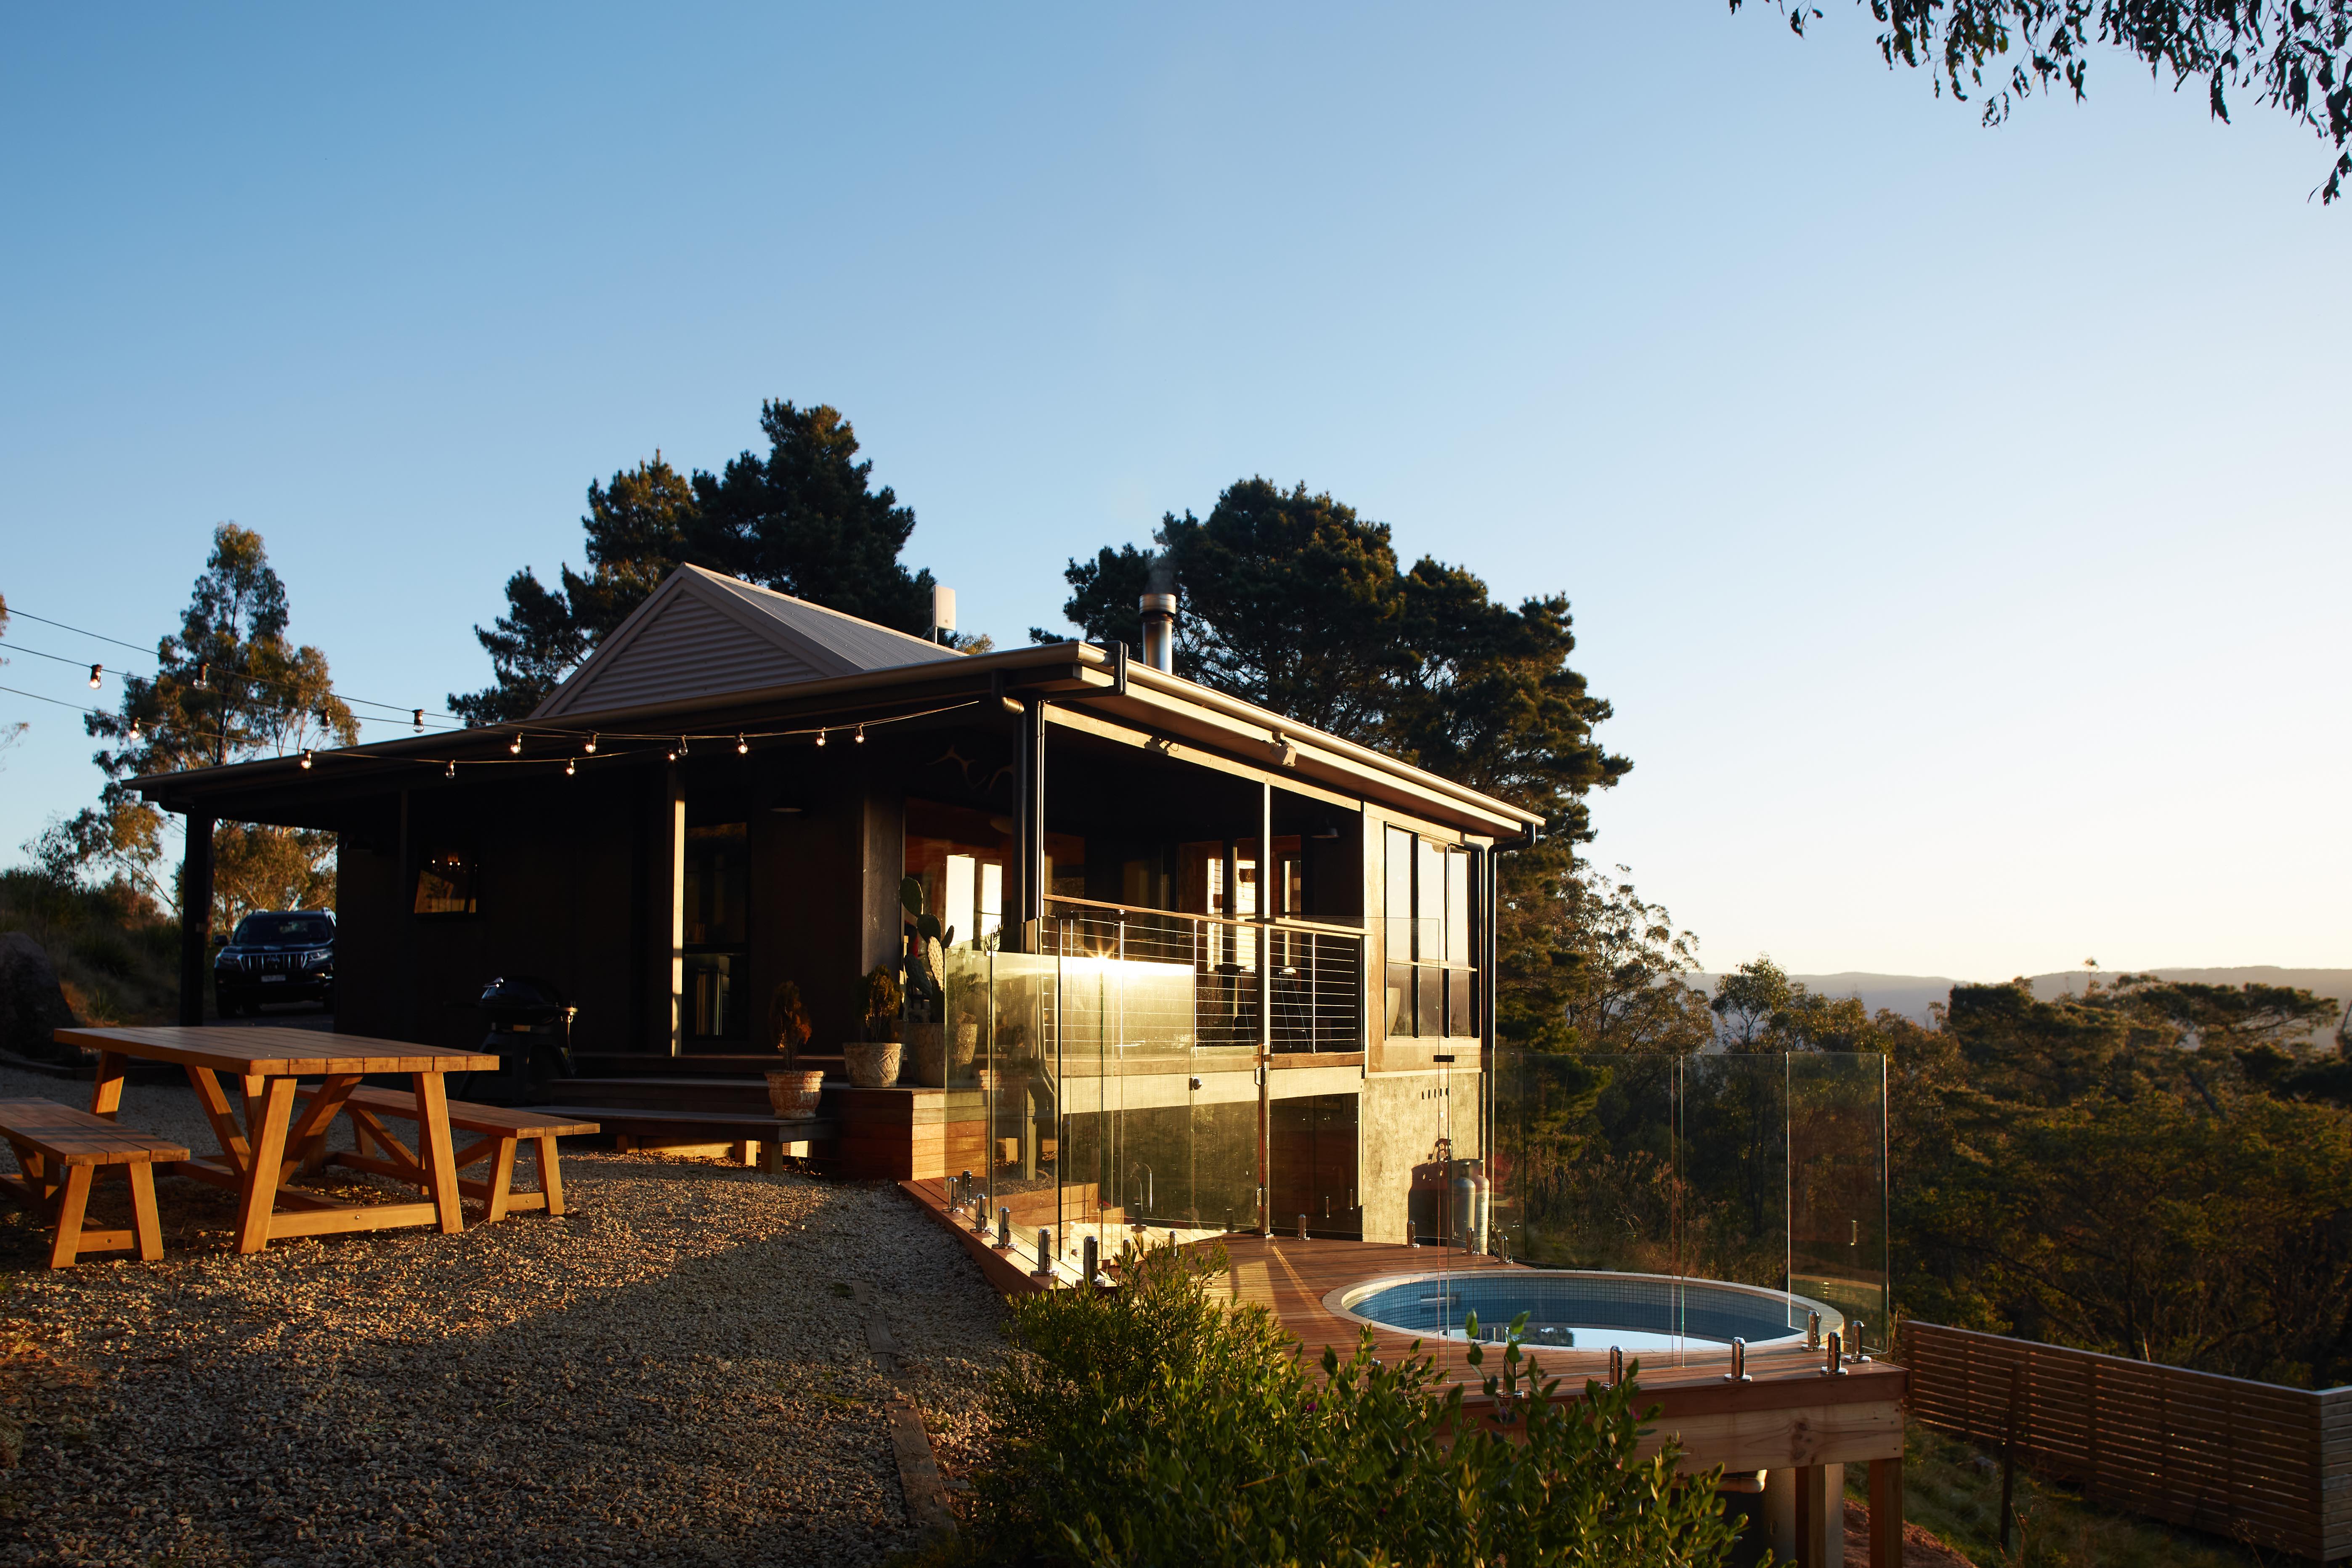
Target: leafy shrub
[{"x": 1150, "y": 1425}]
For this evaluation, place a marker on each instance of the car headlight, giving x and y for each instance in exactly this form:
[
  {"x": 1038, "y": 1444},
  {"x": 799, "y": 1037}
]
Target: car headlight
[{"x": 321, "y": 956}]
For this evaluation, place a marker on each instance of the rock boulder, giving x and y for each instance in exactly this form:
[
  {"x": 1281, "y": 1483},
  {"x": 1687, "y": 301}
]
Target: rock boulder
[{"x": 32, "y": 1003}]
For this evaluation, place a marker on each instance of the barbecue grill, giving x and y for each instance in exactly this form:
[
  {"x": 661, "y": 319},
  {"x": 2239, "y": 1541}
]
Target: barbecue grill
[{"x": 530, "y": 1031}]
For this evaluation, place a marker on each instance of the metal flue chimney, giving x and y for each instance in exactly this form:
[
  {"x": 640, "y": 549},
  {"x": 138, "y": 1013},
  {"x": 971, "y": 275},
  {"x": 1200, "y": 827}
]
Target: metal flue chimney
[{"x": 1159, "y": 631}]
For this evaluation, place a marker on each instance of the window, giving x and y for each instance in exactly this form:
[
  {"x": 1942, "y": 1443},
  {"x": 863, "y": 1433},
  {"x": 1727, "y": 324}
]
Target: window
[
  {"x": 445, "y": 884},
  {"x": 284, "y": 931},
  {"x": 1432, "y": 983},
  {"x": 716, "y": 916}
]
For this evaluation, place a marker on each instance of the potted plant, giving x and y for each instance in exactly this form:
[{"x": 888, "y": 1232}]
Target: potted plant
[
  {"x": 873, "y": 1060},
  {"x": 792, "y": 1090},
  {"x": 926, "y": 963}
]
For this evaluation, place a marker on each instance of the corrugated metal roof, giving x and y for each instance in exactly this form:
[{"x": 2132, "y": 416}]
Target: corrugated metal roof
[{"x": 703, "y": 634}]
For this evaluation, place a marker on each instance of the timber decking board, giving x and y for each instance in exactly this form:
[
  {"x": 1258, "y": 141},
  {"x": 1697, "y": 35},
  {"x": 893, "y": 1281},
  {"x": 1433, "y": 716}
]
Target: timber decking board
[
  {"x": 72, "y": 1137},
  {"x": 258, "y": 1052}
]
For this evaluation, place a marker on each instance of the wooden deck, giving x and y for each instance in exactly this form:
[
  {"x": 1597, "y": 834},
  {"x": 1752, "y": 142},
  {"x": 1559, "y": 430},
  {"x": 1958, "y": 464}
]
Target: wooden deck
[{"x": 1791, "y": 1416}]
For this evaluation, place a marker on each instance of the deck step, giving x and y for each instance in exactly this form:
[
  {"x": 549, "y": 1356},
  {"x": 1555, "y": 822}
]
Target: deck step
[
  {"x": 730, "y": 1125},
  {"x": 736, "y": 1095}
]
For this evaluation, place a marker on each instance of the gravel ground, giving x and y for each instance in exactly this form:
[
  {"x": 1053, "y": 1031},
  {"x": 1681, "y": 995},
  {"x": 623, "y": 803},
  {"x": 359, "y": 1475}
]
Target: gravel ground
[{"x": 673, "y": 1373}]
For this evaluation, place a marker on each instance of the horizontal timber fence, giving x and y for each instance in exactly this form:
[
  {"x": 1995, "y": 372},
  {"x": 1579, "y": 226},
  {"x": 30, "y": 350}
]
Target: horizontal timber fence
[{"x": 2253, "y": 1461}]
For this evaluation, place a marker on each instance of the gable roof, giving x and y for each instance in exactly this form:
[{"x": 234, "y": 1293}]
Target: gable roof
[{"x": 702, "y": 633}]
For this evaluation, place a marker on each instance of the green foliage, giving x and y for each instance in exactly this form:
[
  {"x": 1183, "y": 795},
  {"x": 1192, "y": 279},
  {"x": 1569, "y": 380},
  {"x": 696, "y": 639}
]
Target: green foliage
[
  {"x": 1585, "y": 965},
  {"x": 1953, "y": 1491},
  {"x": 228, "y": 687},
  {"x": 879, "y": 1002},
  {"x": 1292, "y": 602},
  {"x": 117, "y": 957},
  {"x": 2104, "y": 1171},
  {"x": 2297, "y": 54},
  {"x": 788, "y": 1021},
  {"x": 803, "y": 518},
  {"x": 1149, "y": 1426}
]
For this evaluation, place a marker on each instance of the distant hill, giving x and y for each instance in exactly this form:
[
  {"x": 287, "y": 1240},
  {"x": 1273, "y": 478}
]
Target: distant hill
[{"x": 1913, "y": 995}]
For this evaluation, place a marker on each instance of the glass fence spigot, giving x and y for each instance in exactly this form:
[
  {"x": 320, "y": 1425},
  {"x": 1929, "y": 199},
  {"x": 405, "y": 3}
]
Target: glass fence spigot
[
  {"x": 1812, "y": 1331},
  {"x": 1738, "y": 1373},
  {"x": 1859, "y": 1354},
  {"x": 1093, "y": 1261},
  {"x": 1410, "y": 1234},
  {"x": 1005, "y": 1230},
  {"x": 1045, "y": 1269},
  {"x": 1616, "y": 1365},
  {"x": 1302, "y": 1227},
  {"x": 1835, "y": 1365}
]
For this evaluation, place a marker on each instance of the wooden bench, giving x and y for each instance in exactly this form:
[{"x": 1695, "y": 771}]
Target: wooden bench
[
  {"x": 58, "y": 1150},
  {"x": 502, "y": 1129}
]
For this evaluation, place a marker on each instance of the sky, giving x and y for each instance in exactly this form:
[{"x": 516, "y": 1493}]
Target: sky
[{"x": 1955, "y": 518}]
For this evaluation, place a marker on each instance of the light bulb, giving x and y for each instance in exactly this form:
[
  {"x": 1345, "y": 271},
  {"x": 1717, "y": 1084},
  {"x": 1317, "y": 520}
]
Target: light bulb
[
  {"x": 683, "y": 749},
  {"x": 570, "y": 767},
  {"x": 861, "y": 734},
  {"x": 514, "y": 747},
  {"x": 820, "y": 737},
  {"x": 203, "y": 667},
  {"x": 305, "y": 757},
  {"x": 135, "y": 728},
  {"x": 95, "y": 671},
  {"x": 420, "y": 720},
  {"x": 592, "y": 745},
  {"x": 673, "y": 756},
  {"x": 453, "y": 769},
  {"x": 743, "y": 747}
]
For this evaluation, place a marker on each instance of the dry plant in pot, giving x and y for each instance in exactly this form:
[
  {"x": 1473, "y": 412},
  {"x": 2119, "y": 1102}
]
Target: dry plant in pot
[
  {"x": 873, "y": 1061},
  {"x": 792, "y": 1090}
]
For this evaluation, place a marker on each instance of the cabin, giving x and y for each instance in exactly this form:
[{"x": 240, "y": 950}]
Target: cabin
[{"x": 1205, "y": 969}]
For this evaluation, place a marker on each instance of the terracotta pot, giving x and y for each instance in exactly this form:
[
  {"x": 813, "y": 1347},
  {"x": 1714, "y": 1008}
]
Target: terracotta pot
[
  {"x": 872, "y": 1064},
  {"x": 928, "y": 1044},
  {"x": 966, "y": 1046},
  {"x": 793, "y": 1091}
]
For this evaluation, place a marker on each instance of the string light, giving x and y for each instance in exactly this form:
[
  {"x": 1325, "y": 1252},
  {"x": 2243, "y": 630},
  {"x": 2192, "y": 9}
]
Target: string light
[
  {"x": 515, "y": 747},
  {"x": 453, "y": 769},
  {"x": 420, "y": 720},
  {"x": 591, "y": 745},
  {"x": 135, "y": 728},
  {"x": 861, "y": 734},
  {"x": 683, "y": 749},
  {"x": 570, "y": 767},
  {"x": 305, "y": 757},
  {"x": 203, "y": 668},
  {"x": 820, "y": 737},
  {"x": 742, "y": 746},
  {"x": 95, "y": 671}
]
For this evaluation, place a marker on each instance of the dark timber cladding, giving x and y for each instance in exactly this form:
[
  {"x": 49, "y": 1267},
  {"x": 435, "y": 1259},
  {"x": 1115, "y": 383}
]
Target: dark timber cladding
[{"x": 727, "y": 794}]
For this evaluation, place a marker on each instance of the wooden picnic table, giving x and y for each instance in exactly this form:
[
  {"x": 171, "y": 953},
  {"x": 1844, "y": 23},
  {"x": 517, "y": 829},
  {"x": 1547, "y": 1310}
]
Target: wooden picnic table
[{"x": 256, "y": 1158}]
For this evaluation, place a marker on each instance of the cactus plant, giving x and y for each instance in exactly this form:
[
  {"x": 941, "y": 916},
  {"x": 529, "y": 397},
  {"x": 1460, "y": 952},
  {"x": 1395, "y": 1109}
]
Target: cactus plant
[{"x": 927, "y": 952}]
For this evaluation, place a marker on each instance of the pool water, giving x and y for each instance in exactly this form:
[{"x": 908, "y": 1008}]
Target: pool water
[{"x": 1585, "y": 1310}]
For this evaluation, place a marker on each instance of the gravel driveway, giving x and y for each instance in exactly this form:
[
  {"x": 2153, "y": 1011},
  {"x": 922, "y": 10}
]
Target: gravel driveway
[{"x": 672, "y": 1372}]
